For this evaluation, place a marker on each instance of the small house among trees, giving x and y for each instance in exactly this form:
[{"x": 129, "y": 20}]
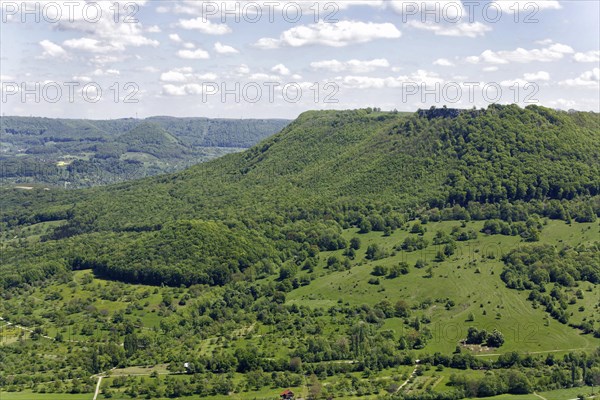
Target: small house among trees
[{"x": 287, "y": 395}]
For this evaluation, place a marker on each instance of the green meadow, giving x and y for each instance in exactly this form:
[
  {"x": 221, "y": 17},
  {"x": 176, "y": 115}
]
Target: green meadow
[{"x": 470, "y": 278}]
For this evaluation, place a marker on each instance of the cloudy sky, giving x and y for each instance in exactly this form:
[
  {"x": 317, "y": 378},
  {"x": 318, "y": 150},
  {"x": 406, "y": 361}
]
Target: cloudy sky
[{"x": 271, "y": 59}]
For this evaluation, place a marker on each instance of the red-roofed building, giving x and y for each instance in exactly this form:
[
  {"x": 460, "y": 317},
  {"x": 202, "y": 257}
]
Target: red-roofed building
[{"x": 287, "y": 395}]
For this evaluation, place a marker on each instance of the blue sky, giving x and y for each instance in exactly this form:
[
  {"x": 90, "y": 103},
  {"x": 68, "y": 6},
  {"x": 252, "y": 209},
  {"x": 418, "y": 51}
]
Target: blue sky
[{"x": 190, "y": 58}]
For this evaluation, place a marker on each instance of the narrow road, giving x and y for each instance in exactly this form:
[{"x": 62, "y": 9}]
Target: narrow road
[
  {"x": 537, "y": 395},
  {"x": 408, "y": 379},
  {"x": 8, "y": 323},
  {"x": 533, "y": 352},
  {"x": 147, "y": 374},
  {"x": 543, "y": 398},
  {"x": 98, "y": 387}
]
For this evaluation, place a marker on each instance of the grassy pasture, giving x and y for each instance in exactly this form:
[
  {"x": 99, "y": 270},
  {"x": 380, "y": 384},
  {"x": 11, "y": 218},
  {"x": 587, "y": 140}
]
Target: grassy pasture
[{"x": 470, "y": 278}]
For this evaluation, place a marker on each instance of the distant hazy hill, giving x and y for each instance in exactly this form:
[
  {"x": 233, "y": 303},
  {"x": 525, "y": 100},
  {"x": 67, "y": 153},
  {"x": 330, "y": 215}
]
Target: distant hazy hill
[
  {"x": 92, "y": 152},
  {"x": 151, "y": 138}
]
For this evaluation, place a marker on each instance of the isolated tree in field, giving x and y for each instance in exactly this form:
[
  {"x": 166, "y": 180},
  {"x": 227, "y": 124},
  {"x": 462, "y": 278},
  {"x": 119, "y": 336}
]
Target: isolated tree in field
[
  {"x": 386, "y": 308},
  {"x": 334, "y": 263},
  {"x": 350, "y": 253},
  {"x": 518, "y": 383},
  {"x": 296, "y": 364},
  {"x": 429, "y": 273},
  {"x": 359, "y": 339},
  {"x": 379, "y": 270},
  {"x": 475, "y": 336},
  {"x": 440, "y": 256},
  {"x": 315, "y": 388},
  {"x": 449, "y": 248},
  {"x": 375, "y": 252},
  {"x": 402, "y": 309},
  {"x": 310, "y": 264},
  {"x": 394, "y": 271},
  {"x": 355, "y": 243},
  {"x": 417, "y": 228},
  {"x": 288, "y": 271},
  {"x": 167, "y": 299},
  {"x": 130, "y": 344},
  {"x": 495, "y": 339},
  {"x": 365, "y": 226},
  {"x": 404, "y": 267}
]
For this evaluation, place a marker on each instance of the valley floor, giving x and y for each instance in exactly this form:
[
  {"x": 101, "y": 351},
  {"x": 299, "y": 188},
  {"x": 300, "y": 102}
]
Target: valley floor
[
  {"x": 465, "y": 290},
  {"x": 272, "y": 394}
]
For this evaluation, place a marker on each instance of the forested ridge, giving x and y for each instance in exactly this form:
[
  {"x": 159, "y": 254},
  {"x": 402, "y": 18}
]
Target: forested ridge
[{"x": 343, "y": 166}]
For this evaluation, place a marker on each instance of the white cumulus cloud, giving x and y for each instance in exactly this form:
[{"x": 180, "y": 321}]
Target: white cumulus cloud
[
  {"x": 526, "y": 7},
  {"x": 89, "y": 45},
  {"x": 107, "y": 72},
  {"x": 150, "y": 69},
  {"x": 205, "y": 26},
  {"x": 527, "y": 78},
  {"x": 82, "y": 78},
  {"x": 243, "y": 69},
  {"x": 104, "y": 36},
  {"x": 224, "y": 49},
  {"x": 184, "y": 80},
  {"x": 589, "y": 79},
  {"x": 182, "y": 90},
  {"x": 471, "y": 30},
  {"x": 51, "y": 49},
  {"x": 537, "y": 76},
  {"x": 354, "y": 66},
  {"x": 175, "y": 38},
  {"x": 281, "y": 69},
  {"x": 197, "y": 54},
  {"x": 590, "y": 56},
  {"x": 338, "y": 34},
  {"x": 368, "y": 82},
  {"x": 553, "y": 52},
  {"x": 174, "y": 76},
  {"x": 443, "y": 62}
]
